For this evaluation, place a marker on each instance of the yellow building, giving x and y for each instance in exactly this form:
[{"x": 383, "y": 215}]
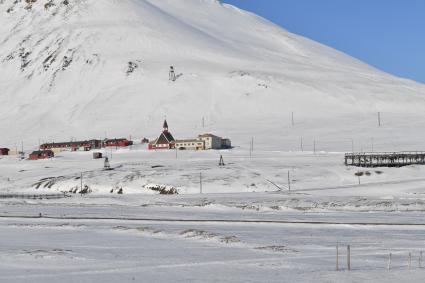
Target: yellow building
[{"x": 190, "y": 144}]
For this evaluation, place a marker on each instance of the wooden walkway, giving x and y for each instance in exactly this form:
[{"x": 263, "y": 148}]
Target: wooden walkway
[
  {"x": 384, "y": 159},
  {"x": 33, "y": 196}
]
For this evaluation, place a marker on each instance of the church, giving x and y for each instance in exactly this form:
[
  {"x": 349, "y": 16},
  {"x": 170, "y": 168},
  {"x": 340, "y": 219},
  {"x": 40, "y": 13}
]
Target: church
[{"x": 164, "y": 141}]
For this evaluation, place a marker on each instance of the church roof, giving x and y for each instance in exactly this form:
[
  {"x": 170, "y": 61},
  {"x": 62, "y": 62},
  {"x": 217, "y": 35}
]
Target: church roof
[{"x": 164, "y": 138}]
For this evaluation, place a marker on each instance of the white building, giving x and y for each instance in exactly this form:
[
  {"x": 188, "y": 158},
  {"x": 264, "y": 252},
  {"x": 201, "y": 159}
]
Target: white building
[{"x": 211, "y": 141}]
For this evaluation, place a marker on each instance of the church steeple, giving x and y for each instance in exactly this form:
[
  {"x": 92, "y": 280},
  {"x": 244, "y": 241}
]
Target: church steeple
[{"x": 165, "y": 126}]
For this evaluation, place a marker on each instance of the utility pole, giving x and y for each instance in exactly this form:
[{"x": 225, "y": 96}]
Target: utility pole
[
  {"x": 251, "y": 147},
  {"x": 203, "y": 122},
  {"x": 292, "y": 119},
  {"x": 314, "y": 146},
  {"x": 200, "y": 182},
  {"x": 289, "y": 182},
  {"x": 81, "y": 180},
  {"x": 337, "y": 256},
  {"x": 379, "y": 119},
  {"x": 302, "y": 145}
]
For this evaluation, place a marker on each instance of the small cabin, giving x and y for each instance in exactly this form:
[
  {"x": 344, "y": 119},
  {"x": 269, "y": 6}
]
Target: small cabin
[
  {"x": 4, "y": 151},
  {"x": 97, "y": 155},
  {"x": 41, "y": 154}
]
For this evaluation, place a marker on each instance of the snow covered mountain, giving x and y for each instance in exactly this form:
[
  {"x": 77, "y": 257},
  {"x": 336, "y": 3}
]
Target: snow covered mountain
[{"x": 80, "y": 68}]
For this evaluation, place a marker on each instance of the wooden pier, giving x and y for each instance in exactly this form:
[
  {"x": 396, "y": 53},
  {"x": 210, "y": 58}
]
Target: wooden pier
[{"x": 384, "y": 159}]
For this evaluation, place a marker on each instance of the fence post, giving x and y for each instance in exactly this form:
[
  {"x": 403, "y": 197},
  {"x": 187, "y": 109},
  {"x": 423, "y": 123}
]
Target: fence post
[
  {"x": 348, "y": 257},
  {"x": 289, "y": 182},
  {"x": 389, "y": 261},
  {"x": 302, "y": 145},
  {"x": 410, "y": 261}
]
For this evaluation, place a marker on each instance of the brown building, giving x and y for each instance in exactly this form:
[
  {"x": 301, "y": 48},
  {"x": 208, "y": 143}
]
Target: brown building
[
  {"x": 4, "y": 151},
  {"x": 41, "y": 154}
]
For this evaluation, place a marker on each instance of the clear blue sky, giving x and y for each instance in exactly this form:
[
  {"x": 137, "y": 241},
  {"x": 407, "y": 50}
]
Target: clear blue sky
[{"x": 388, "y": 34}]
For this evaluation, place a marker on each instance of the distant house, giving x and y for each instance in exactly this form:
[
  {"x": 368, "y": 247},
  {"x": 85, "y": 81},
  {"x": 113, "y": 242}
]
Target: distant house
[
  {"x": 164, "y": 141},
  {"x": 72, "y": 146},
  {"x": 190, "y": 144},
  {"x": 41, "y": 154},
  {"x": 117, "y": 142},
  {"x": 15, "y": 152},
  {"x": 145, "y": 141},
  {"x": 4, "y": 151}
]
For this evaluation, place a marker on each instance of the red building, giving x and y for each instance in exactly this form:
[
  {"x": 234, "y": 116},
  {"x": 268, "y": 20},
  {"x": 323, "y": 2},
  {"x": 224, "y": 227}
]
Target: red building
[
  {"x": 41, "y": 154},
  {"x": 73, "y": 146},
  {"x": 117, "y": 143},
  {"x": 4, "y": 151},
  {"x": 164, "y": 141}
]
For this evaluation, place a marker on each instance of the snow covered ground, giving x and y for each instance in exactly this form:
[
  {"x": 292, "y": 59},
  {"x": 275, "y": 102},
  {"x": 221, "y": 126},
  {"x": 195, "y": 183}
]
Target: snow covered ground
[
  {"x": 246, "y": 226},
  {"x": 84, "y": 250}
]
